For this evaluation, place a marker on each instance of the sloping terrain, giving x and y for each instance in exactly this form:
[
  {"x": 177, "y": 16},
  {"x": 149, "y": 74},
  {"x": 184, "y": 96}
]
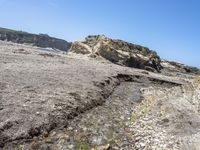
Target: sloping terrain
[
  {"x": 168, "y": 118},
  {"x": 55, "y": 101},
  {"x": 41, "y": 40},
  {"x": 170, "y": 67}
]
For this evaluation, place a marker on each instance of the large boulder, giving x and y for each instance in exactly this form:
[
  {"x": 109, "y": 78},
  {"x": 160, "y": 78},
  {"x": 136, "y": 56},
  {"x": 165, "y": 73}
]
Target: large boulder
[{"x": 118, "y": 52}]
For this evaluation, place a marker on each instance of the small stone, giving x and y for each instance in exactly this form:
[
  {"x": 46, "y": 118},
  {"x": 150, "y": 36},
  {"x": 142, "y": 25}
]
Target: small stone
[
  {"x": 115, "y": 148},
  {"x": 53, "y": 133},
  {"x": 137, "y": 138},
  {"x": 71, "y": 146},
  {"x": 142, "y": 144},
  {"x": 104, "y": 147},
  {"x": 70, "y": 129},
  {"x": 49, "y": 140}
]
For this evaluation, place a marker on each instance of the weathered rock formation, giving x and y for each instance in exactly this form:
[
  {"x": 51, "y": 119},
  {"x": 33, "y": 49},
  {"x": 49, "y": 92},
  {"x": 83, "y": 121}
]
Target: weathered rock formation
[
  {"x": 118, "y": 52},
  {"x": 41, "y": 40},
  {"x": 171, "y": 66}
]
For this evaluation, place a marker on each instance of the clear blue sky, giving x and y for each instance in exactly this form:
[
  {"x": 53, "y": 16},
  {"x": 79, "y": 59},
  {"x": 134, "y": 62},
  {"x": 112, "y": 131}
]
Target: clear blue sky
[{"x": 171, "y": 27}]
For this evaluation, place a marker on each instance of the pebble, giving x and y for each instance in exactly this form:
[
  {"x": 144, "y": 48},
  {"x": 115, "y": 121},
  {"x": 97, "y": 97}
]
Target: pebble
[
  {"x": 103, "y": 147},
  {"x": 70, "y": 129},
  {"x": 71, "y": 146}
]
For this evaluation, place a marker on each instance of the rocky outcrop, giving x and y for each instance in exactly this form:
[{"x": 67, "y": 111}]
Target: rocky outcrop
[
  {"x": 41, "y": 40},
  {"x": 174, "y": 67},
  {"x": 118, "y": 52}
]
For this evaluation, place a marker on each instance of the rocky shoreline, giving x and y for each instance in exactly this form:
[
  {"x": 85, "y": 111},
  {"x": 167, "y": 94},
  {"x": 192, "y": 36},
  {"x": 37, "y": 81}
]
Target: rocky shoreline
[{"x": 50, "y": 100}]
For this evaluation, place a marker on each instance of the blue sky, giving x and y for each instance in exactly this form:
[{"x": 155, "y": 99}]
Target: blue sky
[{"x": 171, "y": 27}]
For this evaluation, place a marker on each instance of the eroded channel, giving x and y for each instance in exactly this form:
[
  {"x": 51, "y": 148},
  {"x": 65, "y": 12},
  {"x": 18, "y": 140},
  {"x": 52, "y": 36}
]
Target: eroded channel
[{"x": 105, "y": 125}]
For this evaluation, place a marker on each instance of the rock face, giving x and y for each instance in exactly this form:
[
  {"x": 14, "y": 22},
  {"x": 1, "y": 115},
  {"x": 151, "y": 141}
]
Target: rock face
[
  {"x": 41, "y": 40},
  {"x": 118, "y": 52}
]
